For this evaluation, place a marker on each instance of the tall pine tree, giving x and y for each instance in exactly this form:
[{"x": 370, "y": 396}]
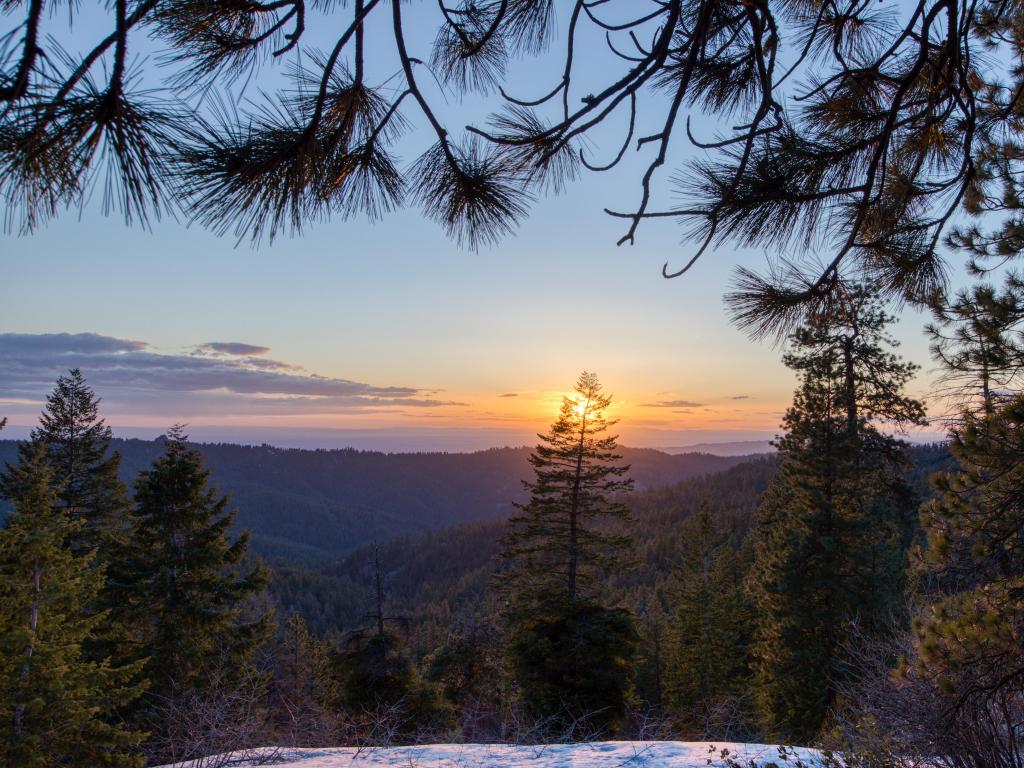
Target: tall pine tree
[
  {"x": 833, "y": 528},
  {"x": 572, "y": 656},
  {"x": 971, "y": 640},
  {"x": 977, "y": 340},
  {"x": 190, "y": 593},
  {"x": 555, "y": 548},
  {"x": 56, "y": 705}
]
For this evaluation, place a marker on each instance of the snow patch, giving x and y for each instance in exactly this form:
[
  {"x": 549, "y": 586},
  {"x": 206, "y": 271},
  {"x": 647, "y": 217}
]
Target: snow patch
[{"x": 602, "y": 754}]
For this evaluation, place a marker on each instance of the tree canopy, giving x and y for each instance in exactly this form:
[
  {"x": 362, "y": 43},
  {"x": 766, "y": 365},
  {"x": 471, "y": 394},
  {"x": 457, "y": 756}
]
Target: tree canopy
[{"x": 854, "y": 131}]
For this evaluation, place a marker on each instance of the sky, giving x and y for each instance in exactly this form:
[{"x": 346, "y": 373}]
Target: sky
[{"x": 388, "y": 335}]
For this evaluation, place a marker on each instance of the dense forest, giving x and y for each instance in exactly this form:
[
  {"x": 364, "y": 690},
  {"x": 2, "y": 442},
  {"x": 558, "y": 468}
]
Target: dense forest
[{"x": 313, "y": 505}]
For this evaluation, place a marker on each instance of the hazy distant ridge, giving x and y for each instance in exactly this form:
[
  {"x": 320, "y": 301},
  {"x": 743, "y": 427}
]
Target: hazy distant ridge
[
  {"x": 738, "y": 448},
  {"x": 315, "y": 504}
]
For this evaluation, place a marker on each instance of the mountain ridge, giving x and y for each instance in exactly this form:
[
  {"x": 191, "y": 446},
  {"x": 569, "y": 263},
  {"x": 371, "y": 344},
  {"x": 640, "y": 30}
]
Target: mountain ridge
[{"x": 306, "y": 505}]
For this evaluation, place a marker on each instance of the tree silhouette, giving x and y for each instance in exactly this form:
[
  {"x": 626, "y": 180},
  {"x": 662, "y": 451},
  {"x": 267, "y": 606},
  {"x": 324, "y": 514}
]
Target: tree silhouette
[
  {"x": 553, "y": 546},
  {"x": 858, "y": 127}
]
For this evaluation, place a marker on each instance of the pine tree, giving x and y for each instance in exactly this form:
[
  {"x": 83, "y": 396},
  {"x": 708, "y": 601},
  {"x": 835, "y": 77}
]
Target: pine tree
[
  {"x": 976, "y": 338},
  {"x": 553, "y": 546},
  {"x": 971, "y": 639},
  {"x": 572, "y": 657},
  {"x": 708, "y": 670},
  {"x": 190, "y": 595},
  {"x": 56, "y": 705},
  {"x": 833, "y": 528}
]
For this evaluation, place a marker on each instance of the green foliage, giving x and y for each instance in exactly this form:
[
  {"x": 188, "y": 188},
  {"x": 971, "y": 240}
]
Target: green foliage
[
  {"x": 708, "y": 672},
  {"x": 188, "y": 595},
  {"x": 974, "y": 528},
  {"x": 85, "y": 472},
  {"x": 834, "y": 527},
  {"x": 77, "y": 445},
  {"x": 976, "y": 338},
  {"x": 558, "y": 556},
  {"x": 574, "y": 666},
  {"x": 554, "y": 551},
  {"x": 56, "y": 704},
  {"x": 468, "y": 667},
  {"x": 383, "y": 689}
]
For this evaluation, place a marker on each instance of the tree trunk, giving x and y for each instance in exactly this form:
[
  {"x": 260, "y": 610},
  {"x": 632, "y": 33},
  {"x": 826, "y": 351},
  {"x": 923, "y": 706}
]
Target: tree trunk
[{"x": 26, "y": 666}]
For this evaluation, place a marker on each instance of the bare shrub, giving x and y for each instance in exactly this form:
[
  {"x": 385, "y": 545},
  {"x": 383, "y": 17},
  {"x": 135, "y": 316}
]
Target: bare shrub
[
  {"x": 910, "y": 717},
  {"x": 221, "y": 725}
]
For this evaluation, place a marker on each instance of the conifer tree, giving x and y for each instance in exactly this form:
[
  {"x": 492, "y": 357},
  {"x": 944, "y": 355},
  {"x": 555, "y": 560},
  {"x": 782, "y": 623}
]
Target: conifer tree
[
  {"x": 976, "y": 338},
  {"x": 833, "y": 528},
  {"x": 190, "y": 594},
  {"x": 708, "y": 670},
  {"x": 85, "y": 474},
  {"x": 572, "y": 656},
  {"x": 85, "y": 471},
  {"x": 971, "y": 638},
  {"x": 553, "y": 546},
  {"x": 56, "y": 705}
]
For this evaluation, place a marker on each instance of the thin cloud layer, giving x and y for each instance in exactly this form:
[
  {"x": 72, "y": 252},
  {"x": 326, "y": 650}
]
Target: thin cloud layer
[
  {"x": 232, "y": 348},
  {"x": 673, "y": 404},
  {"x": 233, "y": 380}
]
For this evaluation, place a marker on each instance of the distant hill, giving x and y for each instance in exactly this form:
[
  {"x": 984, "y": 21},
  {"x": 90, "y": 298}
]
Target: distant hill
[
  {"x": 310, "y": 505},
  {"x": 739, "y": 448}
]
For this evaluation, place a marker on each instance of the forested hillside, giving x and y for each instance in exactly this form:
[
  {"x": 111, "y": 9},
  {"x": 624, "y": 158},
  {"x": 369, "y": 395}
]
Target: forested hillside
[
  {"x": 438, "y": 579},
  {"x": 312, "y": 505}
]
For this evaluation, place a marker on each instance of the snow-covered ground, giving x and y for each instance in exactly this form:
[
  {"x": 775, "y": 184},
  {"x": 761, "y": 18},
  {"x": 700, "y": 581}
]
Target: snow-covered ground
[{"x": 601, "y": 754}]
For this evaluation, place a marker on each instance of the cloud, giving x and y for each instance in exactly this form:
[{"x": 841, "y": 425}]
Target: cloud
[
  {"x": 740, "y": 397},
  {"x": 131, "y": 375},
  {"x": 232, "y": 348},
  {"x": 510, "y": 394},
  {"x": 672, "y": 404}
]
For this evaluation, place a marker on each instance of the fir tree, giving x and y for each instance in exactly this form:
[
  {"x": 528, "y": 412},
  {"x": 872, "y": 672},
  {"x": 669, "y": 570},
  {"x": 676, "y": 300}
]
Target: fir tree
[
  {"x": 572, "y": 657},
  {"x": 56, "y": 705},
  {"x": 190, "y": 595},
  {"x": 833, "y": 528},
  {"x": 85, "y": 471},
  {"x": 553, "y": 546}
]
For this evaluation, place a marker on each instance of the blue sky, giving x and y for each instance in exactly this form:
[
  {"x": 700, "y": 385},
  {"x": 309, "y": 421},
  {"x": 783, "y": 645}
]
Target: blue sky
[{"x": 395, "y": 304}]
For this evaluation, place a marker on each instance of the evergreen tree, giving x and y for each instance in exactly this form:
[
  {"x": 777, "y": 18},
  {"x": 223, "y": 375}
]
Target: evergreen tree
[
  {"x": 85, "y": 471},
  {"x": 553, "y": 546},
  {"x": 833, "y": 528},
  {"x": 88, "y": 488},
  {"x": 709, "y": 670},
  {"x": 189, "y": 594},
  {"x": 378, "y": 680},
  {"x": 572, "y": 657},
  {"x": 976, "y": 338},
  {"x": 56, "y": 705},
  {"x": 971, "y": 638},
  {"x": 574, "y": 664}
]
